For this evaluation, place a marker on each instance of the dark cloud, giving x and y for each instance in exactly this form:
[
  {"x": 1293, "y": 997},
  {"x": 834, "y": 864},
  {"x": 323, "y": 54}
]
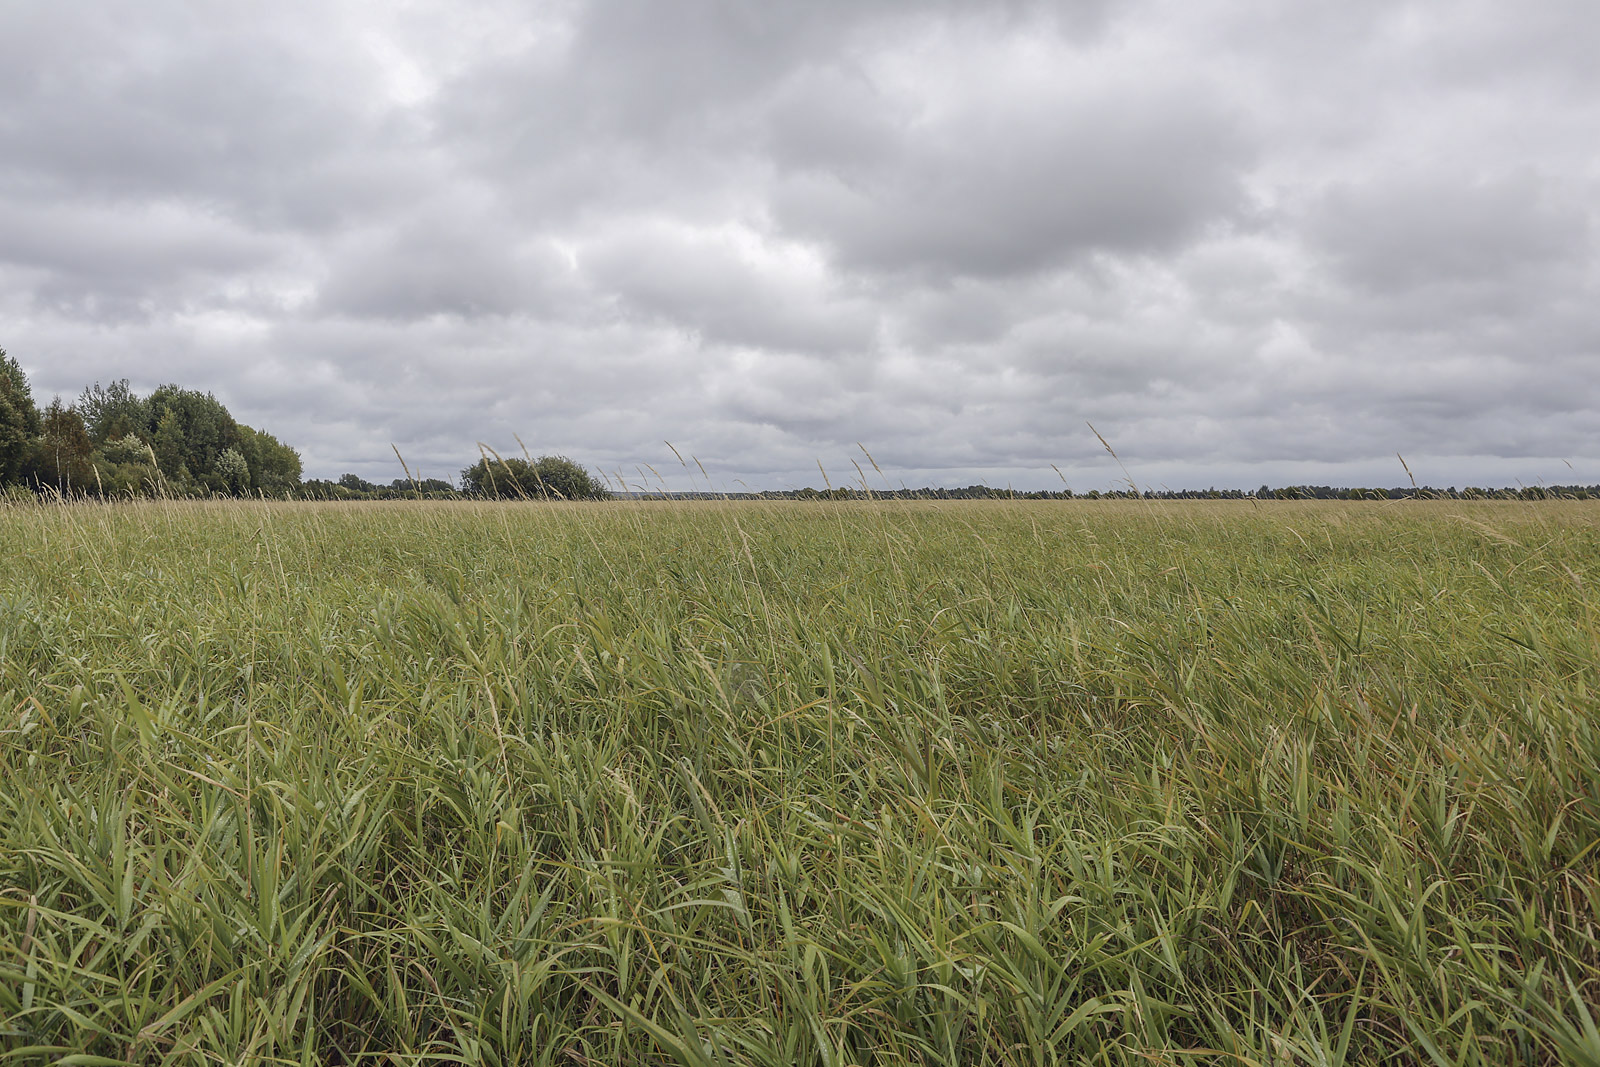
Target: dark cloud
[{"x": 1248, "y": 241}]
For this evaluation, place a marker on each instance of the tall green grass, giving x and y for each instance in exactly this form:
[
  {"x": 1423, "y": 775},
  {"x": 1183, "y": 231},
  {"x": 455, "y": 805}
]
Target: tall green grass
[{"x": 799, "y": 784}]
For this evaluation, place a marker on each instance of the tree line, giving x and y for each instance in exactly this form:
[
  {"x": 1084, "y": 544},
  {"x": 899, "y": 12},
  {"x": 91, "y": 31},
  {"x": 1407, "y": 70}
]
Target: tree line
[
  {"x": 1292, "y": 492},
  {"x": 113, "y": 442},
  {"x": 492, "y": 477}
]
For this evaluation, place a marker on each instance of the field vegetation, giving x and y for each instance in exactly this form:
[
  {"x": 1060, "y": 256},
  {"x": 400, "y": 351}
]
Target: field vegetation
[{"x": 860, "y": 783}]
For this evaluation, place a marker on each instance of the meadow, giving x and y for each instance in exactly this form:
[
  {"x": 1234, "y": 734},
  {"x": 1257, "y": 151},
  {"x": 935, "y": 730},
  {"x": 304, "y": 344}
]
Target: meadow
[{"x": 860, "y": 783}]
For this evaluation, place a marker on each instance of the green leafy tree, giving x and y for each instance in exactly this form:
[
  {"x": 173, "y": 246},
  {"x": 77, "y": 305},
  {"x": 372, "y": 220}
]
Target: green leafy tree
[
  {"x": 62, "y": 457},
  {"x": 201, "y": 429},
  {"x": 234, "y": 471},
  {"x": 507, "y": 479},
  {"x": 357, "y": 484},
  {"x": 563, "y": 479},
  {"x": 113, "y": 411},
  {"x": 126, "y": 466},
  {"x": 168, "y": 447},
  {"x": 274, "y": 466},
  {"x": 547, "y": 478},
  {"x": 19, "y": 420},
  {"x": 180, "y": 440}
]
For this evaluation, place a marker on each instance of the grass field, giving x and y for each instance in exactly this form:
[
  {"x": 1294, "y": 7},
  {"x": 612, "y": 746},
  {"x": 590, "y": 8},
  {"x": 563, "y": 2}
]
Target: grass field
[{"x": 993, "y": 783}]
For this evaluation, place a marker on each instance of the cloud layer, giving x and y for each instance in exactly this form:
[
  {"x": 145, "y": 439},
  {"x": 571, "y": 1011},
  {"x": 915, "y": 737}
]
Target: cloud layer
[{"x": 1249, "y": 242}]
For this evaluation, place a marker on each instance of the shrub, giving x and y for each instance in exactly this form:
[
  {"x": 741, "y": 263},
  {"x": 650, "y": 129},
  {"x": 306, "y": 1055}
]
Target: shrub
[{"x": 547, "y": 478}]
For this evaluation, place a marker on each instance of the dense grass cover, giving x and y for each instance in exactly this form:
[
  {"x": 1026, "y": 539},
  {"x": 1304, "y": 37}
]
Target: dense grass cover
[{"x": 820, "y": 784}]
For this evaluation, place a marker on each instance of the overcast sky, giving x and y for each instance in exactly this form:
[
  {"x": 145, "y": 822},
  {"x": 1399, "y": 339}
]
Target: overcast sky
[{"x": 1250, "y": 241}]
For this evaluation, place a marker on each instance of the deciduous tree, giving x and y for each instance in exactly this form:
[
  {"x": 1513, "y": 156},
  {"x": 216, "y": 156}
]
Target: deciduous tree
[
  {"x": 62, "y": 455},
  {"x": 198, "y": 429},
  {"x": 19, "y": 419},
  {"x": 114, "y": 411},
  {"x": 547, "y": 478},
  {"x": 274, "y": 466}
]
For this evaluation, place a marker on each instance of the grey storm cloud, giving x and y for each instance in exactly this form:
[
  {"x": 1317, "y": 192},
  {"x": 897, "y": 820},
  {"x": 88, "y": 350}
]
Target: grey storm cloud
[{"x": 1248, "y": 241}]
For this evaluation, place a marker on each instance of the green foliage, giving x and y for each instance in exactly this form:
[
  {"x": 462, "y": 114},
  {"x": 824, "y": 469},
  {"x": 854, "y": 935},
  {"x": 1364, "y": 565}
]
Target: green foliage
[
  {"x": 19, "y": 420},
  {"x": 547, "y": 478},
  {"x": 168, "y": 445},
  {"x": 198, "y": 429},
  {"x": 274, "y": 466},
  {"x": 62, "y": 457},
  {"x": 234, "y": 471},
  {"x": 126, "y": 467},
  {"x": 1120, "y": 783},
  {"x": 114, "y": 411},
  {"x": 353, "y": 487},
  {"x": 128, "y": 449},
  {"x": 563, "y": 479},
  {"x": 177, "y": 442}
]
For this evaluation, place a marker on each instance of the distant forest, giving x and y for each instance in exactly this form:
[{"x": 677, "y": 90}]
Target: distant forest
[
  {"x": 177, "y": 442},
  {"x": 112, "y": 442},
  {"x": 1292, "y": 492}
]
